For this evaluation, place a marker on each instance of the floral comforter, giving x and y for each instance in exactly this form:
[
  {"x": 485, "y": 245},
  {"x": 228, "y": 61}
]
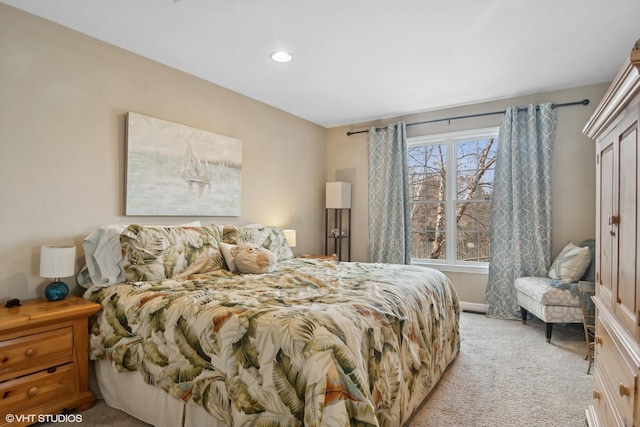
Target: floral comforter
[{"x": 314, "y": 343}]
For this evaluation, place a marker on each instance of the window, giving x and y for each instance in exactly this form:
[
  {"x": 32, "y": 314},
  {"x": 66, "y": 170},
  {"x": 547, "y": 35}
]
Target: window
[{"x": 450, "y": 189}]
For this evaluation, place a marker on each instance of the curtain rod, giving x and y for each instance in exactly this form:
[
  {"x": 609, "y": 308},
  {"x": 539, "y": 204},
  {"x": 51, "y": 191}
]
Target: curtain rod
[{"x": 448, "y": 119}]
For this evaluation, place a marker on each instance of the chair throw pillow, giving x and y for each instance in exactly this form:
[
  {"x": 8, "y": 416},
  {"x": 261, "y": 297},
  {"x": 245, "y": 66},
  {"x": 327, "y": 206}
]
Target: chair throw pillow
[{"x": 571, "y": 264}]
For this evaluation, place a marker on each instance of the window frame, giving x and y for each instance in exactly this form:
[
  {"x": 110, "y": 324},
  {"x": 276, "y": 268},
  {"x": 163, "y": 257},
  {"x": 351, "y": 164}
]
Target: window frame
[{"x": 450, "y": 139}]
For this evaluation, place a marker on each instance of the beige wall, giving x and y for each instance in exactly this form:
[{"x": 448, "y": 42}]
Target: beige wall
[
  {"x": 63, "y": 100},
  {"x": 573, "y": 171}
]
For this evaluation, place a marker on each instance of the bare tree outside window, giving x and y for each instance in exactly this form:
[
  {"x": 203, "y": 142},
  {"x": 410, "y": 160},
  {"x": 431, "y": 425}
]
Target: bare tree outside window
[{"x": 457, "y": 189}]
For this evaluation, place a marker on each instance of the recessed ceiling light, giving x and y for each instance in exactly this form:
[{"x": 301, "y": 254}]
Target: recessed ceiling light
[{"x": 281, "y": 56}]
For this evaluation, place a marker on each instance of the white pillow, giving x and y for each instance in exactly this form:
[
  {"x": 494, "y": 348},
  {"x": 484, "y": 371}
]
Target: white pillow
[
  {"x": 571, "y": 264},
  {"x": 103, "y": 255},
  {"x": 229, "y": 253}
]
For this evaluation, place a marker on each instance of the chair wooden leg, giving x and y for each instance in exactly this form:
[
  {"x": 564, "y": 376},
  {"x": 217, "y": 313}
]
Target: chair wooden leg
[
  {"x": 549, "y": 328},
  {"x": 524, "y": 314}
]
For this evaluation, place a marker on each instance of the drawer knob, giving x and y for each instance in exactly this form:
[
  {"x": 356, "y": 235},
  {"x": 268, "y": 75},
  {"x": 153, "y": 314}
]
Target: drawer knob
[
  {"x": 596, "y": 394},
  {"x": 32, "y": 391},
  {"x": 624, "y": 391},
  {"x": 30, "y": 352}
]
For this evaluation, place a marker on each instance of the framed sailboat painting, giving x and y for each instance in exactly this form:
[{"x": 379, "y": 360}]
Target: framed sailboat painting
[{"x": 177, "y": 170}]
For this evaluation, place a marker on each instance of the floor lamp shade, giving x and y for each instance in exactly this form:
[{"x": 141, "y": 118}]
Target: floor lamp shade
[
  {"x": 338, "y": 195},
  {"x": 57, "y": 262}
]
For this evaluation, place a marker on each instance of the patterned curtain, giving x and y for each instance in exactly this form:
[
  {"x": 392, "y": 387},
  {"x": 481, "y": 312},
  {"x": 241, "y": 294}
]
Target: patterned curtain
[
  {"x": 520, "y": 242},
  {"x": 389, "y": 221}
]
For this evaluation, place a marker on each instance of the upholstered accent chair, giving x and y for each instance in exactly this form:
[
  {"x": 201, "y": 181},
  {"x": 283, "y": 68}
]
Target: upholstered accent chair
[{"x": 556, "y": 298}]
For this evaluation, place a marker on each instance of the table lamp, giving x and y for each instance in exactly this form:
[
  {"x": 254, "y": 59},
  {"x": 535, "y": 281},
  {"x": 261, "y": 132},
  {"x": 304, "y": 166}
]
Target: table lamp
[
  {"x": 290, "y": 237},
  {"x": 57, "y": 262}
]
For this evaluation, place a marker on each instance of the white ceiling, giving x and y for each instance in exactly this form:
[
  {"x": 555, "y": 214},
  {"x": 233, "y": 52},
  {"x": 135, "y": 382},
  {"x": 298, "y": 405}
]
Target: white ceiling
[{"x": 360, "y": 60}]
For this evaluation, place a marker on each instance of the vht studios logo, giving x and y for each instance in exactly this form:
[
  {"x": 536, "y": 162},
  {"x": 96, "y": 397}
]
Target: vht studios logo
[{"x": 43, "y": 418}]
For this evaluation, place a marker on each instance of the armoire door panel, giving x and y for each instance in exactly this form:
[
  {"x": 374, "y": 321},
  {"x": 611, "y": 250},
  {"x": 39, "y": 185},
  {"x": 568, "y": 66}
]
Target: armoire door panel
[
  {"x": 606, "y": 175},
  {"x": 626, "y": 228}
]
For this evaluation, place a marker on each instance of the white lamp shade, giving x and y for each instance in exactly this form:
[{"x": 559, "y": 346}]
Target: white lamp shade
[
  {"x": 57, "y": 261},
  {"x": 338, "y": 195},
  {"x": 290, "y": 235}
]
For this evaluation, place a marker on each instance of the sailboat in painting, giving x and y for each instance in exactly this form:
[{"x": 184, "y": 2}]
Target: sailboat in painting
[{"x": 195, "y": 168}]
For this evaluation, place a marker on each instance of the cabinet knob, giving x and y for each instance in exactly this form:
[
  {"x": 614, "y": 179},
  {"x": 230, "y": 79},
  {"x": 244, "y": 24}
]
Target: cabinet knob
[
  {"x": 596, "y": 394},
  {"x": 30, "y": 352},
  {"x": 598, "y": 339},
  {"x": 32, "y": 391},
  {"x": 624, "y": 391}
]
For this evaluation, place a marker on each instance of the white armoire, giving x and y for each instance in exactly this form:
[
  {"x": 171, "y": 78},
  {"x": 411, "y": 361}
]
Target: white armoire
[{"x": 614, "y": 126}]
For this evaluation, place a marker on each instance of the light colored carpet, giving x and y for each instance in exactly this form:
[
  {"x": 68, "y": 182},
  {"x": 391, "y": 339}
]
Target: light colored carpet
[
  {"x": 508, "y": 375},
  {"x": 505, "y": 375}
]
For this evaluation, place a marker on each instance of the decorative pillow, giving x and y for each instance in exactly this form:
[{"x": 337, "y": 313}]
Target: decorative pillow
[
  {"x": 271, "y": 238},
  {"x": 157, "y": 253},
  {"x": 254, "y": 259},
  {"x": 248, "y": 258},
  {"x": 571, "y": 264}
]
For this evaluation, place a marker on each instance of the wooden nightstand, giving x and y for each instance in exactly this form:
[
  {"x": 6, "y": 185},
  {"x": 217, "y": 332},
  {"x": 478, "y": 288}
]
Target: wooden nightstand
[
  {"x": 44, "y": 358},
  {"x": 321, "y": 257}
]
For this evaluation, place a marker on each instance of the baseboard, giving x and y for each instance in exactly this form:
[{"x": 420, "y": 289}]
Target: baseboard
[{"x": 473, "y": 307}]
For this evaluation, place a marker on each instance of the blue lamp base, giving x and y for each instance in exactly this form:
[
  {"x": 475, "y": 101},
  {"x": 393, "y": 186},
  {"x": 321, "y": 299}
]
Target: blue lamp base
[{"x": 56, "y": 291}]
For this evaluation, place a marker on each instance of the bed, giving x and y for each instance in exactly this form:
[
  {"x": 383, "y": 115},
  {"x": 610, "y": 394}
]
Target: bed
[{"x": 184, "y": 340}]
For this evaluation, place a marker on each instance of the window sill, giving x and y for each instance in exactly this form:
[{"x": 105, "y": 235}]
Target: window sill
[{"x": 476, "y": 268}]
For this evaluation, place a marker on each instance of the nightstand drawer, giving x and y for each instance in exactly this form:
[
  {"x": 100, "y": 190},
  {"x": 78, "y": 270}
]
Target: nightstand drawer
[
  {"x": 46, "y": 387},
  {"x": 31, "y": 353}
]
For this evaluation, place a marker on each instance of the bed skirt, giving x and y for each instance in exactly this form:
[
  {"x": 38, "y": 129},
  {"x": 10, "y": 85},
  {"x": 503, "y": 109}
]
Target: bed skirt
[{"x": 127, "y": 392}]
